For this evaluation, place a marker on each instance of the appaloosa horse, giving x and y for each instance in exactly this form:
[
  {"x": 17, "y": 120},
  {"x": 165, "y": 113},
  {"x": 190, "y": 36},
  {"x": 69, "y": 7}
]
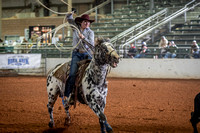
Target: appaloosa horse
[{"x": 92, "y": 84}]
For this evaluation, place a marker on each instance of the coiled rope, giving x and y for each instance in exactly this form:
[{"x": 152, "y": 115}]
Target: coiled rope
[{"x": 54, "y": 31}]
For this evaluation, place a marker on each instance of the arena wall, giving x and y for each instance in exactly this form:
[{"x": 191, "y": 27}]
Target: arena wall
[{"x": 149, "y": 68}]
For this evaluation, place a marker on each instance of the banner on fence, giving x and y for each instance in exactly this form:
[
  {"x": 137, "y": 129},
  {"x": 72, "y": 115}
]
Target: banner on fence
[{"x": 19, "y": 61}]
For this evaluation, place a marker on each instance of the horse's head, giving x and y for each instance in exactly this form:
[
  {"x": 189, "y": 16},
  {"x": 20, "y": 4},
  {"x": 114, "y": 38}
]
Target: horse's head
[{"x": 105, "y": 53}]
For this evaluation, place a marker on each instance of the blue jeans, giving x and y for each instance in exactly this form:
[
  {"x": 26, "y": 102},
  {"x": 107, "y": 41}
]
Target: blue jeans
[
  {"x": 170, "y": 55},
  {"x": 76, "y": 57},
  {"x": 195, "y": 54},
  {"x": 141, "y": 55}
]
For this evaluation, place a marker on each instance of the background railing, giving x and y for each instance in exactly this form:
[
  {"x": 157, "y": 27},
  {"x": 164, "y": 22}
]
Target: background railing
[
  {"x": 131, "y": 31},
  {"x": 49, "y": 52},
  {"x": 154, "y": 25}
]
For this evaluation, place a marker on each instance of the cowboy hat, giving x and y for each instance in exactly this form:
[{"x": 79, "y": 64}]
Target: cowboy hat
[{"x": 83, "y": 17}]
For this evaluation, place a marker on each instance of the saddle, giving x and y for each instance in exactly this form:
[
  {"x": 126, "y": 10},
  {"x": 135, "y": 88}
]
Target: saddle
[
  {"x": 62, "y": 73},
  {"x": 78, "y": 91}
]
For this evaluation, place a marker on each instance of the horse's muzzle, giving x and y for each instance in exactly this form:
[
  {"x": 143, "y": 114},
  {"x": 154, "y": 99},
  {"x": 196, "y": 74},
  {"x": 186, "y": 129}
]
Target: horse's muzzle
[{"x": 115, "y": 62}]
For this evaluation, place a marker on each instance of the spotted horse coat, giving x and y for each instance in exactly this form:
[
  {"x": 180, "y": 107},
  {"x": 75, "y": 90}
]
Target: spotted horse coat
[{"x": 93, "y": 83}]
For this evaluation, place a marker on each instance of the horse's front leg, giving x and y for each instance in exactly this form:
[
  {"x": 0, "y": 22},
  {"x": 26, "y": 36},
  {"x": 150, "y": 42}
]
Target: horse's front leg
[
  {"x": 97, "y": 104},
  {"x": 102, "y": 126},
  {"x": 103, "y": 121},
  {"x": 105, "y": 126}
]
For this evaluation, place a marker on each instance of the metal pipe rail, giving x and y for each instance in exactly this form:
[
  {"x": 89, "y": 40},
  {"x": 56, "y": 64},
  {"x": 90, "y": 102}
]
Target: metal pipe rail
[
  {"x": 139, "y": 25},
  {"x": 54, "y": 53},
  {"x": 162, "y": 22}
]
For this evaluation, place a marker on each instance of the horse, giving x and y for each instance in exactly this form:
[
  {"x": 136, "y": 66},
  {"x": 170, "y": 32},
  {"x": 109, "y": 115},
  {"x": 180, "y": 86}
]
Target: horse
[
  {"x": 91, "y": 86},
  {"x": 195, "y": 116}
]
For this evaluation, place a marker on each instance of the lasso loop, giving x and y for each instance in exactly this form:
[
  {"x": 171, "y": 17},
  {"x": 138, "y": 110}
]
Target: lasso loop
[
  {"x": 66, "y": 25},
  {"x": 60, "y": 27}
]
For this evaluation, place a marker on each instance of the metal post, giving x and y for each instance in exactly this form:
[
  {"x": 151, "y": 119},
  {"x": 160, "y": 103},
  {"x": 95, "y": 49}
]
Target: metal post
[
  {"x": 0, "y": 18},
  {"x": 70, "y": 5},
  {"x": 151, "y": 10},
  {"x": 63, "y": 33},
  {"x": 185, "y": 17},
  {"x": 45, "y": 63},
  {"x": 112, "y": 6},
  {"x": 151, "y": 6},
  {"x": 69, "y": 10},
  {"x": 170, "y": 26},
  {"x": 125, "y": 54},
  {"x": 96, "y": 14},
  {"x": 127, "y": 2},
  {"x": 152, "y": 36}
]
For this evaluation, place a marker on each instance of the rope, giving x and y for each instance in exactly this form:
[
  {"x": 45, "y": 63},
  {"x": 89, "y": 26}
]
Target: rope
[
  {"x": 66, "y": 25},
  {"x": 53, "y": 10},
  {"x": 66, "y": 3},
  {"x": 61, "y": 26}
]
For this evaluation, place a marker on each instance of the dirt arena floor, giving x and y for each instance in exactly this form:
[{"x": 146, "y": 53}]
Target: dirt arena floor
[{"x": 133, "y": 105}]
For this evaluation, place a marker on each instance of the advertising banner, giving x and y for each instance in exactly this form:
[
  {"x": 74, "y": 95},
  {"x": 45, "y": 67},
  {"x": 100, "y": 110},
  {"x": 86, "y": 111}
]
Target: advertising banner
[{"x": 20, "y": 61}]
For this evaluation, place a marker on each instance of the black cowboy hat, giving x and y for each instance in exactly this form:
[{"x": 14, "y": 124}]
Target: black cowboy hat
[{"x": 83, "y": 17}]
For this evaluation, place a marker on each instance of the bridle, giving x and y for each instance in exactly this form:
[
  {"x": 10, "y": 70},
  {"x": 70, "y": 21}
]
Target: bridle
[{"x": 108, "y": 55}]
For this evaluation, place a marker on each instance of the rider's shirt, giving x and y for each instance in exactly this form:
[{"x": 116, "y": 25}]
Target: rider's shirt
[{"x": 87, "y": 32}]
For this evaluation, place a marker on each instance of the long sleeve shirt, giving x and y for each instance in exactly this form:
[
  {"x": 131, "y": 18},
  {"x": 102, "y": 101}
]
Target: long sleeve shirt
[{"x": 87, "y": 32}]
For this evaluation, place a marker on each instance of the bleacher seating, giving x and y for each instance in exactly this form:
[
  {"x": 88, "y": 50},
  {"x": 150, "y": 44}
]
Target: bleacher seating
[
  {"x": 122, "y": 19},
  {"x": 184, "y": 35}
]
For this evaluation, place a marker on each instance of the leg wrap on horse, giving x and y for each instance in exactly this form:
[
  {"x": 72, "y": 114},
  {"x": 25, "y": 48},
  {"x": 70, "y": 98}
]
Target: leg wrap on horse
[
  {"x": 102, "y": 119},
  {"x": 64, "y": 102},
  {"x": 105, "y": 126},
  {"x": 102, "y": 126},
  {"x": 108, "y": 127}
]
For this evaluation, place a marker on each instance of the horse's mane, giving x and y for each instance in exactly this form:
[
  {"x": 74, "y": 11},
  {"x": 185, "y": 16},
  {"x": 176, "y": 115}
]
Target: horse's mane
[{"x": 101, "y": 40}]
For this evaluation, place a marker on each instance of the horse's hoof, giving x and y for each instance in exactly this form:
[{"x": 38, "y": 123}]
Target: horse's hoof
[
  {"x": 111, "y": 131},
  {"x": 67, "y": 121},
  {"x": 51, "y": 124}
]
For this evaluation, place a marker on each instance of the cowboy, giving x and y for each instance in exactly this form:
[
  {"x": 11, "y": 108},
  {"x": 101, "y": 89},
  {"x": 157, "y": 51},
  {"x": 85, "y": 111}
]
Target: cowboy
[{"x": 82, "y": 51}]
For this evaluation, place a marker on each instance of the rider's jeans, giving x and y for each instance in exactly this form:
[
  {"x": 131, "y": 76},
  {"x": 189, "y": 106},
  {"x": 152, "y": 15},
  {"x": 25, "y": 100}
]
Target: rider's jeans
[{"x": 76, "y": 57}]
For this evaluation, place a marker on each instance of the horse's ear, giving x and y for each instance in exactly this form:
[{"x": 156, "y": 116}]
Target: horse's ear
[
  {"x": 95, "y": 41},
  {"x": 98, "y": 41},
  {"x": 107, "y": 39}
]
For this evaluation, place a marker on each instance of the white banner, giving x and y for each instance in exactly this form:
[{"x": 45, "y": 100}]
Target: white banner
[{"x": 19, "y": 61}]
